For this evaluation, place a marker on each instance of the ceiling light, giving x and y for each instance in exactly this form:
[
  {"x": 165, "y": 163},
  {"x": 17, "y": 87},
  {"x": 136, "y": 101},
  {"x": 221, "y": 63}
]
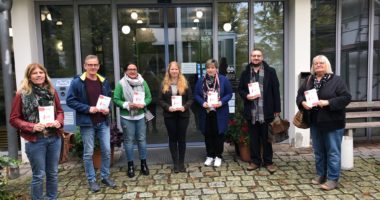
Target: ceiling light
[
  {"x": 59, "y": 23},
  {"x": 126, "y": 29},
  {"x": 196, "y": 20},
  {"x": 199, "y": 14},
  {"x": 139, "y": 21},
  {"x": 48, "y": 16},
  {"x": 227, "y": 27},
  {"x": 10, "y": 32},
  {"x": 134, "y": 15},
  {"x": 43, "y": 17},
  {"x": 143, "y": 29},
  {"x": 194, "y": 28}
]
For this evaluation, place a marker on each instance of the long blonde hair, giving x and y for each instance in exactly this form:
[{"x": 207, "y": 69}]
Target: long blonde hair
[
  {"x": 26, "y": 83},
  {"x": 181, "y": 84}
]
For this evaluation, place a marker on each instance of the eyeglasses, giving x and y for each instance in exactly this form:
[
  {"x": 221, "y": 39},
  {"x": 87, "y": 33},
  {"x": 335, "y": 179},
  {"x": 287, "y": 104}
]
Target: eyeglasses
[
  {"x": 93, "y": 65},
  {"x": 131, "y": 69}
]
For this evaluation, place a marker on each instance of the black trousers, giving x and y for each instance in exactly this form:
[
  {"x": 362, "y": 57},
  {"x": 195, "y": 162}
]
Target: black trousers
[
  {"x": 261, "y": 149},
  {"x": 176, "y": 127},
  {"x": 214, "y": 141}
]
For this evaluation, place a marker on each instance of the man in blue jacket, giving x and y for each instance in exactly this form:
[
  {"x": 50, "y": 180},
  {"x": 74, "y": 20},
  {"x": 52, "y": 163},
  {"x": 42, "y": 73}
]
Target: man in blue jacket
[
  {"x": 82, "y": 96},
  {"x": 260, "y": 109}
]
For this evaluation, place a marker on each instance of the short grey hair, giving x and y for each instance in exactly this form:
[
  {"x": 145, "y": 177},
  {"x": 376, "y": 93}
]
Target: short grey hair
[
  {"x": 89, "y": 57},
  {"x": 212, "y": 62},
  {"x": 324, "y": 59}
]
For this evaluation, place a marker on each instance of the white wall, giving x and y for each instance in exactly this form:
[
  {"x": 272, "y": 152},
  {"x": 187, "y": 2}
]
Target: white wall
[
  {"x": 299, "y": 60},
  {"x": 24, "y": 42}
]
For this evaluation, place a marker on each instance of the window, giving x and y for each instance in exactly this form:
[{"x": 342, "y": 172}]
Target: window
[{"x": 58, "y": 40}]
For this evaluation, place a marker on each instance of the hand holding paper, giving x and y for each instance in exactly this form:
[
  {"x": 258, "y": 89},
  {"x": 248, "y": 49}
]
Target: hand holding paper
[
  {"x": 254, "y": 90},
  {"x": 46, "y": 114},
  {"x": 311, "y": 97}
]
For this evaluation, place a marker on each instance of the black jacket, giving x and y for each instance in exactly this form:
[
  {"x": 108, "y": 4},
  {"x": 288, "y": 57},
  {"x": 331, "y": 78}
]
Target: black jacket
[
  {"x": 271, "y": 93},
  {"x": 165, "y": 101},
  {"x": 333, "y": 116}
]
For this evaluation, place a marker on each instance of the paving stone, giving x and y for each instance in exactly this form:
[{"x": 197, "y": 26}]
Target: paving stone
[
  {"x": 216, "y": 184},
  {"x": 210, "y": 197},
  {"x": 162, "y": 193},
  {"x": 224, "y": 190},
  {"x": 233, "y": 183},
  {"x": 191, "y": 198},
  {"x": 209, "y": 191},
  {"x": 200, "y": 185},
  {"x": 261, "y": 195},
  {"x": 229, "y": 196},
  {"x": 246, "y": 196},
  {"x": 293, "y": 193},
  {"x": 239, "y": 189},
  {"x": 183, "y": 186},
  {"x": 177, "y": 193}
]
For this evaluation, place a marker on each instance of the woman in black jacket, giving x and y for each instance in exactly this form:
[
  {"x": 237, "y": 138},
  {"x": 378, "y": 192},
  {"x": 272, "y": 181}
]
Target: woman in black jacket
[
  {"x": 176, "y": 98},
  {"x": 326, "y": 118}
]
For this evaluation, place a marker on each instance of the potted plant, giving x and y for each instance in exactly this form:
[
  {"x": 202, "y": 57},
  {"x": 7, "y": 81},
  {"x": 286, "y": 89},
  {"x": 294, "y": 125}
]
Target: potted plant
[
  {"x": 238, "y": 134},
  {"x": 11, "y": 165}
]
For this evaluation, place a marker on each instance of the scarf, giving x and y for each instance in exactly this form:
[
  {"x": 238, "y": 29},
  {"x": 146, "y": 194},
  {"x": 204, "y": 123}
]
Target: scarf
[
  {"x": 210, "y": 83},
  {"x": 39, "y": 96},
  {"x": 319, "y": 84},
  {"x": 129, "y": 86},
  {"x": 257, "y": 110}
]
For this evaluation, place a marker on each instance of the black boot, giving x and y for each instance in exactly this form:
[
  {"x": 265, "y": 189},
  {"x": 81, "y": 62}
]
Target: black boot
[
  {"x": 174, "y": 153},
  {"x": 144, "y": 168},
  {"x": 181, "y": 156},
  {"x": 131, "y": 169}
]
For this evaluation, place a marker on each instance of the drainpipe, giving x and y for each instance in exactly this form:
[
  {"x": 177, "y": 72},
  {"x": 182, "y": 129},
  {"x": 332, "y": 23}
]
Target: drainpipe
[{"x": 8, "y": 83}]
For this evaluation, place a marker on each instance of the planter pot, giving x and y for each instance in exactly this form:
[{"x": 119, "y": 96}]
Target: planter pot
[
  {"x": 244, "y": 151},
  {"x": 97, "y": 158},
  {"x": 13, "y": 172}
]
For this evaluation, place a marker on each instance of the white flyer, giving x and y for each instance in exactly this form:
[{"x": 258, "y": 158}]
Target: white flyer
[
  {"x": 103, "y": 102},
  {"x": 138, "y": 97},
  {"x": 311, "y": 97},
  {"x": 212, "y": 98},
  {"x": 254, "y": 89},
  {"x": 176, "y": 101},
  {"x": 46, "y": 114}
]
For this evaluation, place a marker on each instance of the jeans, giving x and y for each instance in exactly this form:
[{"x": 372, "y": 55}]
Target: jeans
[
  {"x": 327, "y": 152},
  {"x": 261, "y": 149},
  {"x": 102, "y": 132},
  {"x": 134, "y": 130},
  {"x": 43, "y": 156}
]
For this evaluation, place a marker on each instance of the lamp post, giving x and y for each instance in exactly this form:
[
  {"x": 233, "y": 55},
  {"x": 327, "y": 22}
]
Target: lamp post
[{"x": 5, "y": 7}]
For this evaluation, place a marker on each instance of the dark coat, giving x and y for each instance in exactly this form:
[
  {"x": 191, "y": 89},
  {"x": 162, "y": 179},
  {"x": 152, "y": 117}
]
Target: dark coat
[
  {"x": 271, "y": 93},
  {"x": 333, "y": 116},
  {"x": 165, "y": 101},
  {"x": 221, "y": 112}
]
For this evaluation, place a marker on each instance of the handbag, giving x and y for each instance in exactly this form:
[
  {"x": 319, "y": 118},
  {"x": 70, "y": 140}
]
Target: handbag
[
  {"x": 299, "y": 120},
  {"x": 148, "y": 115},
  {"x": 278, "y": 130}
]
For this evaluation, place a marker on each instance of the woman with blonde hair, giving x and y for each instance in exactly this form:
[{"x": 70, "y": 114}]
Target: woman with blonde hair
[
  {"x": 175, "y": 98},
  {"x": 43, "y": 144}
]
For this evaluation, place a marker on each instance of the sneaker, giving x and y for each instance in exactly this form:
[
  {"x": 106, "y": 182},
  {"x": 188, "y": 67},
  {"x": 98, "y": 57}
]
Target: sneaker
[
  {"x": 108, "y": 182},
  {"x": 209, "y": 161},
  {"x": 94, "y": 187},
  {"x": 329, "y": 185},
  {"x": 271, "y": 168},
  {"x": 318, "y": 180},
  {"x": 252, "y": 166},
  {"x": 217, "y": 162}
]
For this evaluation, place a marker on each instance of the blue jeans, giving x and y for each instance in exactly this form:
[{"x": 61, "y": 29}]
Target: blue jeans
[
  {"x": 134, "y": 130},
  {"x": 102, "y": 132},
  {"x": 43, "y": 156},
  {"x": 327, "y": 152}
]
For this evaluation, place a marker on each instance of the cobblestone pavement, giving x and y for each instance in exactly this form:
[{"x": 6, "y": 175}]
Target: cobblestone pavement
[{"x": 230, "y": 181}]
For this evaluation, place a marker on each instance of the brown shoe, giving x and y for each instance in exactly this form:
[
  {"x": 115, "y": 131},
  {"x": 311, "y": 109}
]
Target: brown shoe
[
  {"x": 252, "y": 166},
  {"x": 329, "y": 185},
  {"x": 318, "y": 180},
  {"x": 271, "y": 168}
]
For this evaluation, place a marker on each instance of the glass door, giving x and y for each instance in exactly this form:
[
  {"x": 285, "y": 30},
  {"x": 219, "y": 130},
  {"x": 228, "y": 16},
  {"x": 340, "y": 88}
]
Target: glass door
[{"x": 153, "y": 36}]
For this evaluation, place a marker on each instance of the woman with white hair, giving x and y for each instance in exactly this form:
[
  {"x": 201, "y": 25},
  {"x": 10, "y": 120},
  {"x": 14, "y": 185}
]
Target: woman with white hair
[{"x": 326, "y": 119}]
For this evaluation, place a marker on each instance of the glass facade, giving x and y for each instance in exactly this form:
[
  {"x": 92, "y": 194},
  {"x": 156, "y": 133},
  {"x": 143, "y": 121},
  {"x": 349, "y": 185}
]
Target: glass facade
[
  {"x": 354, "y": 47},
  {"x": 376, "y": 53},
  {"x": 96, "y": 37},
  {"x": 323, "y": 29},
  {"x": 57, "y": 23}
]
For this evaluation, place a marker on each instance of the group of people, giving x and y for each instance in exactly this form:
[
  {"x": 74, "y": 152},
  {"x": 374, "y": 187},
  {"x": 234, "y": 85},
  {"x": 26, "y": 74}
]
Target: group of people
[{"x": 212, "y": 92}]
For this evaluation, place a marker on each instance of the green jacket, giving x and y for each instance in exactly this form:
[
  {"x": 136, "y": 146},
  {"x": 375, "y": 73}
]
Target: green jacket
[{"x": 118, "y": 98}]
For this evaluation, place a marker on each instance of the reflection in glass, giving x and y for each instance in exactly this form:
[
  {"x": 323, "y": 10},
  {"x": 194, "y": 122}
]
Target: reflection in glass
[
  {"x": 269, "y": 35},
  {"x": 233, "y": 38},
  {"x": 96, "y": 37},
  {"x": 58, "y": 40},
  {"x": 354, "y": 54},
  {"x": 376, "y": 53},
  {"x": 323, "y": 29}
]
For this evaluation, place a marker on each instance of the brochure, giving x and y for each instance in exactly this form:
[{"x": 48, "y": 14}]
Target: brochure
[
  {"x": 176, "y": 101},
  {"x": 311, "y": 97},
  {"x": 46, "y": 114},
  {"x": 254, "y": 89},
  {"x": 103, "y": 102},
  {"x": 212, "y": 98},
  {"x": 138, "y": 97}
]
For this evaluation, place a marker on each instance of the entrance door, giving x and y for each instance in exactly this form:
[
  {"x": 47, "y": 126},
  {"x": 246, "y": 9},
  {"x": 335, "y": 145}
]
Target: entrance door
[{"x": 151, "y": 38}]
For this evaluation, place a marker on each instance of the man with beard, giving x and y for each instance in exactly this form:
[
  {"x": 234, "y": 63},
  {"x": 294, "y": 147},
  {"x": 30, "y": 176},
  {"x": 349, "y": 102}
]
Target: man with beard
[{"x": 260, "y": 109}]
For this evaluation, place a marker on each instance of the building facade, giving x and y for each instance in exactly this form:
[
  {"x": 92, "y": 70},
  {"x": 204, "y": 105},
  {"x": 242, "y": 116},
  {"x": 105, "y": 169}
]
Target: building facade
[{"x": 59, "y": 34}]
